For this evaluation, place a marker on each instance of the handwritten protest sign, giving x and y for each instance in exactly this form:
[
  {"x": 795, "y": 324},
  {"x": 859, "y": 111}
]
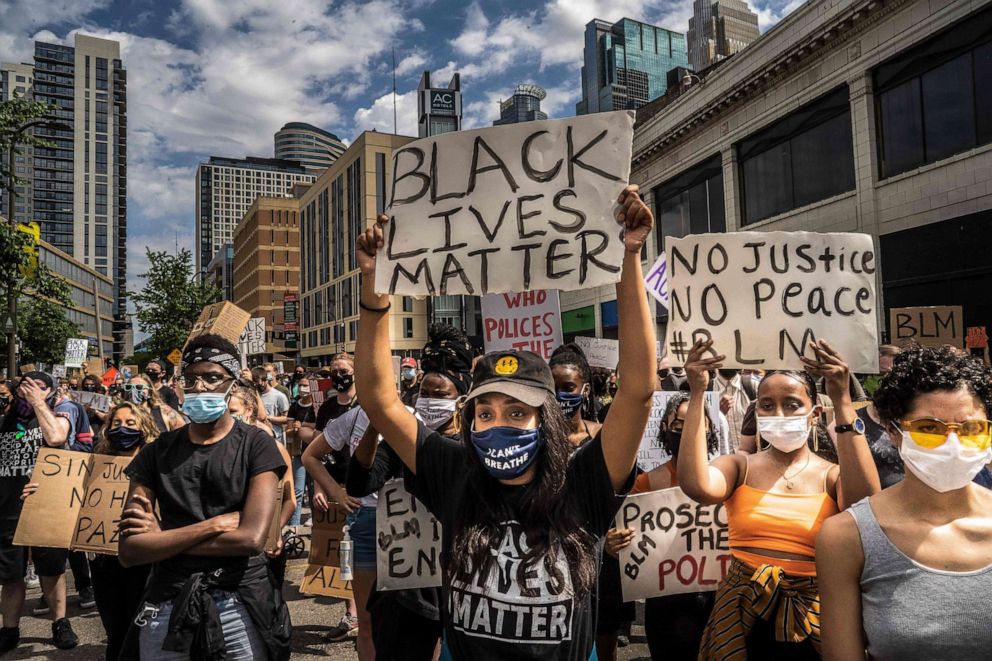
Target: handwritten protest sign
[
  {"x": 323, "y": 575},
  {"x": 508, "y": 209},
  {"x": 978, "y": 338},
  {"x": 764, "y": 297},
  {"x": 408, "y": 541},
  {"x": 224, "y": 318},
  {"x": 679, "y": 545},
  {"x": 94, "y": 400},
  {"x": 252, "y": 340},
  {"x": 651, "y": 454},
  {"x": 600, "y": 352},
  {"x": 656, "y": 281},
  {"x": 927, "y": 326},
  {"x": 76, "y": 350},
  {"x": 275, "y": 526},
  {"x": 78, "y": 504},
  {"x": 528, "y": 321},
  {"x": 58, "y": 371}
]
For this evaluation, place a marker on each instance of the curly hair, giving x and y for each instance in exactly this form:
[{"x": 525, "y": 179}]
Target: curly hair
[
  {"x": 919, "y": 370},
  {"x": 145, "y": 422},
  {"x": 674, "y": 402},
  {"x": 571, "y": 355}
]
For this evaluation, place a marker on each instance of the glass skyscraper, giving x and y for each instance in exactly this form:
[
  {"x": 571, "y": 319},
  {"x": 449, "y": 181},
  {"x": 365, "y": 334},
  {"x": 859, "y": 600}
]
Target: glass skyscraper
[
  {"x": 625, "y": 64},
  {"x": 523, "y": 106}
]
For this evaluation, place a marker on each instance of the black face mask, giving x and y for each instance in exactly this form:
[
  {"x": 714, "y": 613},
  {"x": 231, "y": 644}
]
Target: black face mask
[
  {"x": 89, "y": 387},
  {"x": 342, "y": 382},
  {"x": 728, "y": 374},
  {"x": 673, "y": 439},
  {"x": 154, "y": 376},
  {"x": 4, "y": 401}
]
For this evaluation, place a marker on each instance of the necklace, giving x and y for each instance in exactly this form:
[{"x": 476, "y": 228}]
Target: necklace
[{"x": 789, "y": 478}]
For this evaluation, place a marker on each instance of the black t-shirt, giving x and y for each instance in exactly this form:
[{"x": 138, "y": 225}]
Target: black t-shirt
[
  {"x": 193, "y": 483},
  {"x": 19, "y": 445},
  {"x": 331, "y": 409},
  {"x": 493, "y": 617},
  {"x": 169, "y": 396},
  {"x": 301, "y": 413}
]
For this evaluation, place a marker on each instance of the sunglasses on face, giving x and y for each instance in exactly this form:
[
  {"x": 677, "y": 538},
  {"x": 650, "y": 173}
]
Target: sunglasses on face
[
  {"x": 134, "y": 387},
  {"x": 931, "y": 433}
]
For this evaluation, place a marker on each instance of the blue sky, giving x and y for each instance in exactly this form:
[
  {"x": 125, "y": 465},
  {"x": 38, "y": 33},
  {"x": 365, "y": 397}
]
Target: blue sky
[{"x": 219, "y": 77}]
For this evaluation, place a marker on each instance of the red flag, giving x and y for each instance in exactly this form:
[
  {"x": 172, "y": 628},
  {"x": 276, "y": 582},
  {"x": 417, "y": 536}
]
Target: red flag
[{"x": 109, "y": 376}]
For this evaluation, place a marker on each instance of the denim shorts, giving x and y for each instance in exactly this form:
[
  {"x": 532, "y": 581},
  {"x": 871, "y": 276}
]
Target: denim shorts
[
  {"x": 241, "y": 639},
  {"x": 361, "y": 529}
]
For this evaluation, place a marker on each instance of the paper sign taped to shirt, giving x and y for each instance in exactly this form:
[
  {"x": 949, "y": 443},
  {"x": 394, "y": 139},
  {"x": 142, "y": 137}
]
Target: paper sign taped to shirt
[
  {"x": 508, "y": 208},
  {"x": 323, "y": 574},
  {"x": 679, "y": 545},
  {"x": 408, "y": 541},
  {"x": 651, "y": 453},
  {"x": 78, "y": 503},
  {"x": 764, "y": 297},
  {"x": 523, "y": 321},
  {"x": 600, "y": 352}
]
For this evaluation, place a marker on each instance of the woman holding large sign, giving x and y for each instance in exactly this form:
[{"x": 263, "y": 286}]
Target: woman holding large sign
[
  {"x": 767, "y": 606},
  {"x": 908, "y": 574},
  {"x": 522, "y": 524}
]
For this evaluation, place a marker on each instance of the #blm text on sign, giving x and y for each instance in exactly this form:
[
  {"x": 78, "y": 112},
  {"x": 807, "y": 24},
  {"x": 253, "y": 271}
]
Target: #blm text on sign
[
  {"x": 927, "y": 326},
  {"x": 323, "y": 574},
  {"x": 408, "y": 541},
  {"x": 528, "y": 321},
  {"x": 679, "y": 545},
  {"x": 508, "y": 209},
  {"x": 764, "y": 297},
  {"x": 78, "y": 504}
]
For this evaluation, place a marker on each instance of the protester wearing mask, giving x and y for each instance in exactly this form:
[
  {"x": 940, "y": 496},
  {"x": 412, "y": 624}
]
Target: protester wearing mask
[
  {"x": 275, "y": 402},
  {"x": 7, "y": 389},
  {"x": 117, "y": 591},
  {"x": 573, "y": 388},
  {"x": 409, "y": 388},
  {"x": 906, "y": 573},
  {"x": 299, "y": 432},
  {"x": 272, "y": 376},
  {"x": 140, "y": 390},
  {"x": 156, "y": 372},
  {"x": 214, "y": 483},
  {"x": 299, "y": 375},
  {"x": 512, "y": 479},
  {"x": 92, "y": 383},
  {"x": 735, "y": 392},
  {"x": 38, "y": 417},
  {"x": 776, "y": 500}
]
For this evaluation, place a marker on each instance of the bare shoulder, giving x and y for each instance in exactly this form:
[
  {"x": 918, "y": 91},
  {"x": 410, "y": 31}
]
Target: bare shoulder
[{"x": 838, "y": 544}]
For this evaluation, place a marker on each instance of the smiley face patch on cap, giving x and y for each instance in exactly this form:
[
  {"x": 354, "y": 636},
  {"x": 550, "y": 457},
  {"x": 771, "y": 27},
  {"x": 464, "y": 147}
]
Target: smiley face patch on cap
[{"x": 506, "y": 366}]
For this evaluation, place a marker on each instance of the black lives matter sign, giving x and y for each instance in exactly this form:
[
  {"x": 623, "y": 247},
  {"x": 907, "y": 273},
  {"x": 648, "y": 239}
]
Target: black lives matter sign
[
  {"x": 764, "y": 297},
  {"x": 508, "y": 209}
]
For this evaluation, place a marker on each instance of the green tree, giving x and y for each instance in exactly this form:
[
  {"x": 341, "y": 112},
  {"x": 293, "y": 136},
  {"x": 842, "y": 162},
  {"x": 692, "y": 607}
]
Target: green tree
[
  {"x": 42, "y": 323},
  {"x": 14, "y": 115},
  {"x": 171, "y": 300}
]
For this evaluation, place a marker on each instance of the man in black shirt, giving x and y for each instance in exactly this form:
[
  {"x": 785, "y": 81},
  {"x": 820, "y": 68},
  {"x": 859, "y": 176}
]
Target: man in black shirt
[{"x": 155, "y": 371}]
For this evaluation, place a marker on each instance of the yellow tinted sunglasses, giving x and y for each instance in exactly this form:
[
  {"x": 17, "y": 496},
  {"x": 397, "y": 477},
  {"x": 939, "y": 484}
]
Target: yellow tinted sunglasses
[{"x": 931, "y": 433}]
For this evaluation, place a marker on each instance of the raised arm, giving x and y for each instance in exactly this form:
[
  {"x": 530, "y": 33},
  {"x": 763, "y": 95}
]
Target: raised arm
[
  {"x": 373, "y": 365},
  {"x": 702, "y": 481},
  {"x": 624, "y": 425}
]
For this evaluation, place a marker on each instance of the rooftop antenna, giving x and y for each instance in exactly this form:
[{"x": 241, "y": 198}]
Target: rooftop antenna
[{"x": 394, "y": 92}]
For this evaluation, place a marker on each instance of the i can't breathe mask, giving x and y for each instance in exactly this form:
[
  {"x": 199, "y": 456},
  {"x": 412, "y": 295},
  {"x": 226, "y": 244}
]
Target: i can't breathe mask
[{"x": 507, "y": 452}]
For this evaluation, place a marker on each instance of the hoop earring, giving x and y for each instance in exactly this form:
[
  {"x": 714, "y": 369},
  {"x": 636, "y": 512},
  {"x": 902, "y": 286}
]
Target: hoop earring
[{"x": 816, "y": 439}]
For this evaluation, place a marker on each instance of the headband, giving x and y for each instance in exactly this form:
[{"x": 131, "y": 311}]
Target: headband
[{"x": 212, "y": 355}]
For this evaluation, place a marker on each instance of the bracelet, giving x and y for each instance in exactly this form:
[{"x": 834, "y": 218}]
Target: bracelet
[{"x": 367, "y": 308}]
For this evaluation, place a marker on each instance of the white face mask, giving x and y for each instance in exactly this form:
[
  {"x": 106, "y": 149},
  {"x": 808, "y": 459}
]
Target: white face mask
[
  {"x": 435, "y": 412},
  {"x": 946, "y": 468},
  {"x": 785, "y": 432}
]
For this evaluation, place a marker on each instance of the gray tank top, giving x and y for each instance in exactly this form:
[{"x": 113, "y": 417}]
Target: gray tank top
[{"x": 914, "y": 613}]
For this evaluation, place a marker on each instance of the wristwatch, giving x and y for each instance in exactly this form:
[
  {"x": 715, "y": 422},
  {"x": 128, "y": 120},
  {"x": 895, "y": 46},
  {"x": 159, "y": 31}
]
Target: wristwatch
[{"x": 858, "y": 427}]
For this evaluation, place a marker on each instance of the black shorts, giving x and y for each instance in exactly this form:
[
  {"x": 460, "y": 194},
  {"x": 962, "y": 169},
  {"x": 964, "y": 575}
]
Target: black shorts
[{"x": 14, "y": 560}]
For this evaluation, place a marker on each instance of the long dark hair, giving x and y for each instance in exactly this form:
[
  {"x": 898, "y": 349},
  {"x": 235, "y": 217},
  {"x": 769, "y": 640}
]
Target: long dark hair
[
  {"x": 674, "y": 402},
  {"x": 823, "y": 445},
  {"x": 571, "y": 355},
  {"x": 549, "y": 519}
]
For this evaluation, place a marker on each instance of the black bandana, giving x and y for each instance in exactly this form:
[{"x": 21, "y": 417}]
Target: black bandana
[{"x": 199, "y": 354}]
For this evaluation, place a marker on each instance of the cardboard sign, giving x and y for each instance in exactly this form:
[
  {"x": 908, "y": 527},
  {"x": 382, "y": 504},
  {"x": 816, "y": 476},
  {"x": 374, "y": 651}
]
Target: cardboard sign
[
  {"x": 252, "y": 340},
  {"x": 656, "y": 281},
  {"x": 408, "y": 541},
  {"x": 76, "y": 351},
  {"x": 323, "y": 575},
  {"x": 508, "y": 209},
  {"x": 528, "y": 321},
  {"x": 94, "y": 400},
  {"x": 275, "y": 526},
  {"x": 764, "y": 297},
  {"x": 978, "y": 338},
  {"x": 225, "y": 319},
  {"x": 78, "y": 504},
  {"x": 927, "y": 326},
  {"x": 651, "y": 454},
  {"x": 25, "y": 368},
  {"x": 679, "y": 545},
  {"x": 93, "y": 366},
  {"x": 600, "y": 352}
]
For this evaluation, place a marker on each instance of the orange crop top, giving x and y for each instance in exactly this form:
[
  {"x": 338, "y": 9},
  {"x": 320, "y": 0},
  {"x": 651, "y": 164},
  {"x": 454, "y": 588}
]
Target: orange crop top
[
  {"x": 777, "y": 521},
  {"x": 642, "y": 483}
]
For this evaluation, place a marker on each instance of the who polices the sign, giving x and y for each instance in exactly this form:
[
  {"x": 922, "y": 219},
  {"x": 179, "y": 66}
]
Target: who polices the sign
[{"x": 524, "y": 321}]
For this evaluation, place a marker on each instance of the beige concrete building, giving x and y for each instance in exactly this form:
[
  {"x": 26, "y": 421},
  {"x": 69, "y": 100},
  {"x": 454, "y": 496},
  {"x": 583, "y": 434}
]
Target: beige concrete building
[{"x": 343, "y": 202}]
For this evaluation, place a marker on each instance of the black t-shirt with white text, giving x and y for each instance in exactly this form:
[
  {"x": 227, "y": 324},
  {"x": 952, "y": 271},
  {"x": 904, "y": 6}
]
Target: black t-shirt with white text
[{"x": 493, "y": 616}]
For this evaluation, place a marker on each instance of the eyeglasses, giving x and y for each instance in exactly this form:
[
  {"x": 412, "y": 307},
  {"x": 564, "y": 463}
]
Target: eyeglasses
[
  {"x": 931, "y": 433},
  {"x": 209, "y": 381}
]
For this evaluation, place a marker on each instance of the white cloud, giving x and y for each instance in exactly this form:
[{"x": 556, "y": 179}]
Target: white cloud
[
  {"x": 413, "y": 62},
  {"x": 21, "y": 19},
  {"x": 379, "y": 115}
]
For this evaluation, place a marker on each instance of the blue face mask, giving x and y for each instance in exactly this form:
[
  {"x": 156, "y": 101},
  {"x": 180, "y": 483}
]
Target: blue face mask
[
  {"x": 203, "y": 407},
  {"x": 507, "y": 452},
  {"x": 124, "y": 438},
  {"x": 570, "y": 403}
]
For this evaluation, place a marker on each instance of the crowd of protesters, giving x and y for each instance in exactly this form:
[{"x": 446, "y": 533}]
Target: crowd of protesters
[{"x": 859, "y": 506}]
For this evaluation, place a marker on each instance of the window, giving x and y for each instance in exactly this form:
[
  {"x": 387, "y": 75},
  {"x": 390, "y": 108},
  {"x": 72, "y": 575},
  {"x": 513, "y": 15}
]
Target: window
[
  {"x": 935, "y": 99},
  {"x": 407, "y": 304},
  {"x": 407, "y": 327},
  {"x": 803, "y": 158},
  {"x": 692, "y": 202},
  {"x": 380, "y": 182}
]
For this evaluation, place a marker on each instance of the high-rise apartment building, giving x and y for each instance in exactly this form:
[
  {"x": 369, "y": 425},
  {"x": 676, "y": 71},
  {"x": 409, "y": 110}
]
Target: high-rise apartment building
[
  {"x": 624, "y": 64},
  {"x": 718, "y": 29},
  {"x": 523, "y": 106},
  {"x": 439, "y": 110},
  {"x": 313, "y": 147},
  {"x": 77, "y": 188},
  {"x": 227, "y": 187}
]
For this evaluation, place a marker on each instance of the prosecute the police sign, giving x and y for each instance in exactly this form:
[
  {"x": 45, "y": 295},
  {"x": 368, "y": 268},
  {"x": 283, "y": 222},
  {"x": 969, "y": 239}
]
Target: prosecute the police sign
[{"x": 508, "y": 209}]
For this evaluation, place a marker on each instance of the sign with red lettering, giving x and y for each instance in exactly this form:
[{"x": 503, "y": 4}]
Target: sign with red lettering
[
  {"x": 679, "y": 545},
  {"x": 978, "y": 338},
  {"x": 528, "y": 321}
]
